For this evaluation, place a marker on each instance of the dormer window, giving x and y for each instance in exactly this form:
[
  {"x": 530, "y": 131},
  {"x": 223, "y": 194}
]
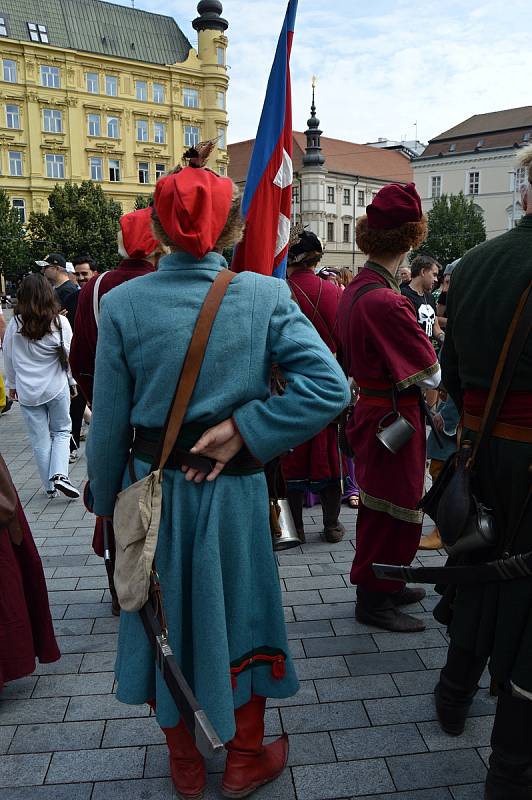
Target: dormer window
[
  {"x": 3, "y": 26},
  {"x": 38, "y": 33},
  {"x": 452, "y": 148}
]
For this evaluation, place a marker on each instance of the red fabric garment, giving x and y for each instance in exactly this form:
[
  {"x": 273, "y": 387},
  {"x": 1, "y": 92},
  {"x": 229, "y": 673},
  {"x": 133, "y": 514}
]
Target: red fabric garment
[
  {"x": 316, "y": 460},
  {"x": 83, "y": 347},
  {"x": 381, "y": 539},
  {"x": 516, "y": 409},
  {"x": 318, "y": 299},
  {"x": 26, "y": 628},
  {"x": 394, "y": 205},
  {"x": 137, "y": 234}
]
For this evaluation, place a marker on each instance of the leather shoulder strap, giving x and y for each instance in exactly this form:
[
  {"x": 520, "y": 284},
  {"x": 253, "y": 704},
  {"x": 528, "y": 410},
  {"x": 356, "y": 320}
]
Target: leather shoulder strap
[
  {"x": 512, "y": 348},
  {"x": 96, "y": 299},
  {"x": 345, "y": 358},
  {"x": 192, "y": 365},
  {"x": 369, "y": 287}
]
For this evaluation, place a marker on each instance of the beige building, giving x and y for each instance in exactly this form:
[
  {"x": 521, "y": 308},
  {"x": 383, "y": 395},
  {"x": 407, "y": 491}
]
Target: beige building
[
  {"x": 333, "y": 183},
  {"x": 478, "y": 157},
  {"x": 90, "y": 90}
]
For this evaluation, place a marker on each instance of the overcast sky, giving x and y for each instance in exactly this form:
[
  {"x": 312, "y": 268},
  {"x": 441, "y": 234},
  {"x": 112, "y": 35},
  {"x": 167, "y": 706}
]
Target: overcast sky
[{"x": 382, "y": 66}]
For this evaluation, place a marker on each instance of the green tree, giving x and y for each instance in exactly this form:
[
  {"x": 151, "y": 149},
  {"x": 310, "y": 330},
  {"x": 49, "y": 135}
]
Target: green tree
[
  {"x": 456, "y": 225},
  {"x": 142, "y": 201},
  {"x": 14, "y": 251},
  {"x": 81, "y": 219}
]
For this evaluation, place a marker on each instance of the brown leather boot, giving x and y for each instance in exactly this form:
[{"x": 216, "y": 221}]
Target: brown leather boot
[
  {"x": 187, "y": 766},
  {"x": 331, "y": 503},
  {"x": 432, "y": 541},
  {"x": 250, "y": 763}
]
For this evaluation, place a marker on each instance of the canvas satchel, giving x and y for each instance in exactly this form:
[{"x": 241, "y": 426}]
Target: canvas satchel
[{"x": 138, "y": 508}]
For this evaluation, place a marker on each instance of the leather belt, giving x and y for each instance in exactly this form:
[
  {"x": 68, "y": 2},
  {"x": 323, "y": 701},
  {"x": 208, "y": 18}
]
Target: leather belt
[
  {"x": 504, "y": 569},
  {"x": 501, "y": 430},
  {"x": 382, "y": 397}
]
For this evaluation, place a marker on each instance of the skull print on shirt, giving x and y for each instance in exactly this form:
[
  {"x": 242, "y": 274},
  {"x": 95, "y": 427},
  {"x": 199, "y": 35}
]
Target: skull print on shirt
[{"x": 426, "y": 318}]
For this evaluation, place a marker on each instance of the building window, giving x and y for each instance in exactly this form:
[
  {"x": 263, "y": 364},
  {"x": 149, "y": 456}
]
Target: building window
[
  {"x": 111, "y": 85},
  {"x": 10, "y": 70},
  {"x": 50, "y": 77},
  {"x": 19, "y": 206},
  {"x": 220, "y": 56},
  {"x": 3, "y": 29},
  {"x": 473, "y": 183},
  {"x": 220, "y": 100},
  {"x": 435, "y": 186},
  {"x": 158, "y": 93},
  {"x": 113, "y": 127},
  {"x": 142, "y": 130},
  {"x": 190, "y": 98},
  {"x": 347, "y": 197},
  {"x": 330, "y": 231},
  {"x": 114, "y": 170},
  {"x": 160, "y": 169},
  {"x": 13, "y": 116},
  {"x": 330, "y": 194},
  {"x": 295, "y": 194},
  {"x": 52, "y": 120},
  {"x": 93, "y": 82},
  {"x": 347, "y": 232},
  {"x": 192, "y": 135},
  {"x": 15, "y": 164},
  {"x": 144, "y": 172},
  {"x": 222, "y": 137},
  {"x": 55, "y": 166},
  {"x": 361, "y": 201},
  {"x": 38, "y": 33},
  {"x": 94, "y": 125},
  {"x": 159, "y": 133},
  {"x": 518, "y": 178},
  {"x": 141, "y": 90},
  {"x": 374, "y": 195},
  {"x": 96, "y": 169},
  {"x": 221, "y": 171}
]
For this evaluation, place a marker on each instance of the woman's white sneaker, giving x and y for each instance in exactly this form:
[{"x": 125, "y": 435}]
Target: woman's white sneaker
[{"x": 62, "y": 484}]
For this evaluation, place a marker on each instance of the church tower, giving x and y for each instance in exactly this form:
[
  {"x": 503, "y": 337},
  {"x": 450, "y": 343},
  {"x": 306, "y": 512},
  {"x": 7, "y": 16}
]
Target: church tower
[{"x": 313, "y": 176}]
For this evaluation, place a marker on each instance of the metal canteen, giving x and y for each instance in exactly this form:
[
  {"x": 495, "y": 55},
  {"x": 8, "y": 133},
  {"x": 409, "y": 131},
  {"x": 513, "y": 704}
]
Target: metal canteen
[
  {"x": 284, "y": 532},
  {"x": 396, "y": 435}
]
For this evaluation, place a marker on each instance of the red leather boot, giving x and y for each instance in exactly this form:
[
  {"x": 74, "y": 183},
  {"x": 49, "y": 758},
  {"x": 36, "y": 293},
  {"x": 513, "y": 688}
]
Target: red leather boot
[
  {"x": 187, "y": 766},
  {"x": 250, "y": 763}
]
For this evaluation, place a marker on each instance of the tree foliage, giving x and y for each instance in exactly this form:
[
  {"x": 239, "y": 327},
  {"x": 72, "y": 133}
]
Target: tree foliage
[
  {"x": 142, "y": 201},
  {"x": 14, "y": 252},
  {"x": 81, "y": 219},
  {"x": 456, "y": 225}
]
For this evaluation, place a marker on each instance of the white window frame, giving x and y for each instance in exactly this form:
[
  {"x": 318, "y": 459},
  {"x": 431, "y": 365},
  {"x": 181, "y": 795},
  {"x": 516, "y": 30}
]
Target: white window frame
[
  {"x": 21, "y": 207},
  {"x": 469, "y": 173},
  {"x": 53, "y": 79},
  {"x": 117, "y": 168},
  {"x": 159, "y": 95},
  {"x": 220, "y": 56},
  {"x": 295, "y": 194},
  {"x": 331, "y": 190},
  {"x": 331, "y": 227},
  {"x": 222, "y": 138},
  {"x": 220, "y": 100},
  {"x": 111, "y": 80},
  {"x": 347, "y": 197},
  {"x": 3, "y": 26},
  {"x": 112, "y": 123},
  {"x": 191, "y": 97},
  {"x": 92, "y": 82},
  {"x": 517, "y": 178},
  {"x": 432, "y": 178},
  {"x": 141, "y": 90},
  {"x": 9, "y": 67},
  {"x": 144, "y": 169},
  {"x": 142, "y": 125},
  {"x": 160, "y": 170},
  {"x": 96, "y": 169},
  {"x": 94, "y": 119},
  {"x": 54, "y": 166},
  {"x": 159, "y": 132},
  {"x": 361, "y": 193},
  {"x": 18, "y": 172},
  {"x": 38, "y": 32},
  {"x": 12, "y": 116},
  {"x": 51, "y": 119},
  {"x": 347, "y": 226},
  {"x": 191, "y": 135}
]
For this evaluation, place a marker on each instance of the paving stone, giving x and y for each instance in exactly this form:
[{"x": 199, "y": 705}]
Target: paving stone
[
  {"x": 67, "y": 664},
  {"x": 434, "y": 657},
  {"x": 57, "y": 736},
  {"x": 95, "y": 570},
  {"x": 339, "y": 645},
  {"x": 415, "y": 641},
  {"x": 320, "y": 546},
  {"x": 332, "y": 667},
  {"x": 477, "y": 733},
  {"x": 91, "y": 765},
  {"x": 23, "y": 770},
  {"x": 19, "y": 689},
  {"x": 417, "y": 682},
  {"x": 305, "y": 696},
  {"x": 324, "y": 611},
  {"x": 311, "y": 748},
  {"x": 87, "y": 596},
  {"x": 63, "y": 561},
  {"x": 334, "y": 568},
  {"x": 345, "y": 595},
  {"x": 88, "y": 610},
  {"x": 287, "y": 559},
  {"x": 288, "y": 614},
  {"x": 355, "y": 688},
  {"x": 301, "y": 598},
  {"x": 132, "y": 732},
  {"x": 472, "y": 791},
  {"x": 324, "y": 717},
  {"x": 434, "y": 769},
  {"x": 386, "y": 740},
  {"x": 72, "y": 791},
  {"x": 322, "y": 582},
  {"x": 58, "y": 612},
  {"x": 93, "y": 643},
  {"x": 73, "y": 627},
  {"x": 391, "y": 710},
  {"x": 98, "y": 662},
  {"x": 18, "y": 712},
  {"x": 162, "y": 789},
  {"x": 422, "y": 794},
  {"x": 351, "y": 627},
  {"x": 294, "y": 571},
  {"x": 296, "y": 648},
  {"x": 312, "y": 629},
  {"x": 95, "y": 582},
  {"x": 379, "y": 663},
  {"x": 69, "y": 685},
  {"x": 56, "y": 584},
  {"x": 6, "y": 734},
  {"x": 339, "y": 780},
  {"x": 102, "y": 706},
  {"x": 106, "y": 625}
]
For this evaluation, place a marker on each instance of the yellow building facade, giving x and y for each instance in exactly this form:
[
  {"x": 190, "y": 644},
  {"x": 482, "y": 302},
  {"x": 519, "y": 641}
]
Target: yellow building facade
[{"x": 69, "y": 113}]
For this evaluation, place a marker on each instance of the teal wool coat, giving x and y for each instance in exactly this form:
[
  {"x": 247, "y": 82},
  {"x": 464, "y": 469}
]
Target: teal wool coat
[{"x": 214, "y": 555}]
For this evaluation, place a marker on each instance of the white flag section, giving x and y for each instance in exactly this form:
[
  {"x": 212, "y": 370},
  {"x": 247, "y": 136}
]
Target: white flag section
[
  {"x": 285, "y": 174},
  {"x": 283, "y": 234}
]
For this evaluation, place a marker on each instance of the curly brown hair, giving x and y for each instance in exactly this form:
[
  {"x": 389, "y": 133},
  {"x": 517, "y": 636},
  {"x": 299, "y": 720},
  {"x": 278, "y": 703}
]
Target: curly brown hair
[
  {"x": 380, "y": 242},
  {"x": 36, "y": 307}
]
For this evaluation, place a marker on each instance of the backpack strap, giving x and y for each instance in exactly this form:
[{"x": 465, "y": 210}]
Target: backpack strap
[{"x": 96, "y": 299}]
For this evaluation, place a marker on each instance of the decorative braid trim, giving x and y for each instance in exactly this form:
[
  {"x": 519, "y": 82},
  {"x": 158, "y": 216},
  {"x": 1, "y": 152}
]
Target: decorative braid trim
[
  {"x": 425, "y": 373},
  {"x": 398, "y": 512},
  {"x": 255, "y": 658}
]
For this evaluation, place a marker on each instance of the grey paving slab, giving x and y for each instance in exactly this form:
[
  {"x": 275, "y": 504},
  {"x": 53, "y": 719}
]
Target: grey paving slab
[
  {"x": 360, "y": 687},
  {"x": 334, "y": 568},
  {"x": 435, "y": 769},
  {"x": 57, "y": 736},
  {"x": 324, "y": 717},
  {"x": 23, "y": 770},
  {"x": 323, "y": 582},
  {"x": 391, "y": 710},
  {"x": 6, "y": 734},
  {"x": 69, "y": 685},
  {"x": 348, "y": 779},
  {"x": 339, "y": 645},
  {"x": 379, "y": 663},
  {"x": 94, "y": 570},
  {"x": 477, "y": 733},
  {"x": 132, "y": 732},
  {"x": 19, "y": 712},
  {"x": 330, "y": 667},
  {"x": 433, "y": 657},
  {"x": 73, "y": 627},
  {"x": 294, "y": 571},
  {"x": 96, "y": 662},
  {"x": 102, "y": 706},
  {"x": 312, "y": 629},
  {"x": 386, "y": 740},
  {"x": 81, "y": 596},
  {"x": 161, "y": 789},
  {"x": 91, "y": 765},
  {"x": 415, "y": 641},
  {"x": 301, "y": 598},
  {"x": 422, "y": 794},
  {"x": 472, "y": 791},
  {"x": 88, "y": 610},
  {"x": 324, "y": 611},
  {"x": 345, "y": 595},
  {"x": 306, "y": 695},
  {"x": 416, "y": 682},
  {"x": 67, "y": 664},
  {"x": 107, "y": 625},
  {"x": 72, "y": 791},
  {"x": 94, "y": 643},
  {"x": 286, "y": 559},
  {"x": 22, "y": 688}
]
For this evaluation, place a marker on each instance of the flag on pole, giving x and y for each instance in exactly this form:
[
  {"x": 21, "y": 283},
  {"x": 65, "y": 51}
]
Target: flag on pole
[{"x": 267, "y": 200}]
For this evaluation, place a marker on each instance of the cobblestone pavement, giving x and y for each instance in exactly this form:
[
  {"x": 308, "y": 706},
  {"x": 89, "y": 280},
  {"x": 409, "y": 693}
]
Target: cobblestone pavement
[{"x": 362, "y": 725}]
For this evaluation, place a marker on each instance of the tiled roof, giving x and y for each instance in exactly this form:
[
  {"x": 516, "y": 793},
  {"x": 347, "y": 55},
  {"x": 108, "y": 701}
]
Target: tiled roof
[
  {"x": 507, "y": 120},
  {"x": 346, "y": 158},
  {"x": 98, "y": 27}
]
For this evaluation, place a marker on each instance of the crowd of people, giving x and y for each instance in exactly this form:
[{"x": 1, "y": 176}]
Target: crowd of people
[{"x": 365, "y": 363}]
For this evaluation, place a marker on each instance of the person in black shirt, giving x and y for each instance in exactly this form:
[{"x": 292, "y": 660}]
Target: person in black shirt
[{"x": 419, "y": 291}]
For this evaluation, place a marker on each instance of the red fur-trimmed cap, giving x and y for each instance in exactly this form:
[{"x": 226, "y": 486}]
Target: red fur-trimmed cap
[
  {"x": 393, "y": 206},
  {"x": 137, "y": 233},
  {"x": 193, "y": 206}
]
